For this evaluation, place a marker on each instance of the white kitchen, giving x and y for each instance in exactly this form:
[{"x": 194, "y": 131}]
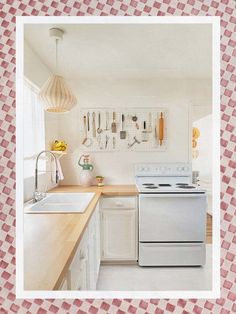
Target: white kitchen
[{"x": 117, "y": 151}]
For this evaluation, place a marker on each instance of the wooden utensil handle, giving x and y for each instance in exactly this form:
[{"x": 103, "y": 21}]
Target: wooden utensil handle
[{"x": 161, "y": 128}]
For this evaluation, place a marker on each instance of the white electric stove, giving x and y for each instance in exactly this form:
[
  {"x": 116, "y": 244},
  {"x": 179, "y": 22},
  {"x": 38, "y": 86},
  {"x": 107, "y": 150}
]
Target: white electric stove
[{"x": 172, "y": 215}]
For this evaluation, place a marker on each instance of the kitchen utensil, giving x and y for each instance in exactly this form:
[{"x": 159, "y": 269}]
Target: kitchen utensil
[
  {"x": 88, "y": 115},
  {"x": 122, "y": 132},
  {"x": 136, "y": 141},
  {"x": 106, "y": 143},
  {"x": 144, "y": 133},
  {"x": 113, "y": 125},
  {"x": 85, "y": 131},
  {"x": 107, "y": 121},
  {"x": 99, "y": 130},
  {"x": 99, "y": 139},
  {"x": 161, "y": 128},
  {"x": 149, "y": 123},
  {"x": 86, "y": 141},
  {"x": 157, "y": 128},
  {"x": 135, "y": 119},
  {"x": 94, "y": 124},
  {"x": 114, "y": 142}
]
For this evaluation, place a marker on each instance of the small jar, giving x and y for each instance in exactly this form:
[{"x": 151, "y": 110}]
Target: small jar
[{"x": 100, "y": 180}]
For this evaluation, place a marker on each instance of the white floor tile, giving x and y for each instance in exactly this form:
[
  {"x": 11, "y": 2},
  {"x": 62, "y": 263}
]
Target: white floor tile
[{"x": 135, "y": 278}]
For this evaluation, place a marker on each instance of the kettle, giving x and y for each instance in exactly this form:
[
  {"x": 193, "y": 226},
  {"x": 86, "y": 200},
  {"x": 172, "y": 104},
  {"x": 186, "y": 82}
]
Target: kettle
[{"x": 86, "y": 177}]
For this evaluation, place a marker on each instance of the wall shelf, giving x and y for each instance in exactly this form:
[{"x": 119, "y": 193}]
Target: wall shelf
[{"x": 59, "y": 153}]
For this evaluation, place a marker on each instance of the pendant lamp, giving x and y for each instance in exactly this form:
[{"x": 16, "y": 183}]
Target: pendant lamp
[{"x": 55, "y": 94}]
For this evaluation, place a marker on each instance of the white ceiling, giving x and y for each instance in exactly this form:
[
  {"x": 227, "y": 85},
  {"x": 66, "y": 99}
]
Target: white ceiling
[{"x": 126, "y": 51}]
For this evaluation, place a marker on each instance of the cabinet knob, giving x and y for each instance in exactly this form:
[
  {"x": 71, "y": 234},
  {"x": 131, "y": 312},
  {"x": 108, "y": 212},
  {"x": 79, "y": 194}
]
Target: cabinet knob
[{"x": 82, "y": 256}]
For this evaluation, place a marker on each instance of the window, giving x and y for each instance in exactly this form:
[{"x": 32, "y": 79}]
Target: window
[{"x": 34, "y": 128}]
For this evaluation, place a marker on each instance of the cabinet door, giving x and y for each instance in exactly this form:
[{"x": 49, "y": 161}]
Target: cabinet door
[
  {"x": 64, "y": 284},
  {"x": 97, "y": 244},
  {"x": 119, "y": 234},
  {"x": 78, "y": 268},
  {"x": 94, "y": 249}
]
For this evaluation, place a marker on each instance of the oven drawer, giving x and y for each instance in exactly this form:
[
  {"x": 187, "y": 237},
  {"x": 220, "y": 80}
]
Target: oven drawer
[{"x": 171, "y": 254}]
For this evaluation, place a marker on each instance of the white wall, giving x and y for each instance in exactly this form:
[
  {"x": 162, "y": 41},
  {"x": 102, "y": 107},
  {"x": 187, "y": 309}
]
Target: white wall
[
  {"x": 37, "y": 72},
  {"x": 175, "y": 94}
]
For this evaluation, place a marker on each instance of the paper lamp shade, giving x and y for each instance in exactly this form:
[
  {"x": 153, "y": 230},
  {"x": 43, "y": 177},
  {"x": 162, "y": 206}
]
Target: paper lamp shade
[{"x": 56, "y": 95}]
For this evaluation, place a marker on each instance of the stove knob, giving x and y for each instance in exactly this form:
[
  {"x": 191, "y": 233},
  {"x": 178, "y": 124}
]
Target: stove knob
[
  {"x": 179, "y": 168},
  {"x": 186, "y": 169}
]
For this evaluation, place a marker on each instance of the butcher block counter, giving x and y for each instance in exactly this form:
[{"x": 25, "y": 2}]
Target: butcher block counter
[{"x": 51, "y": 240}]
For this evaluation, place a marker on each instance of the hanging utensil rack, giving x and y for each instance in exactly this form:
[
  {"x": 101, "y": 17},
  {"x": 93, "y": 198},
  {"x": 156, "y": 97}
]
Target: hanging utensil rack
[{"x": 134, "y": 119}]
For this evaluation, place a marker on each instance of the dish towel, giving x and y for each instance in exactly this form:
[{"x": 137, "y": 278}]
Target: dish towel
[
  {"x": 53, "y": 171},
  {"x": 60, "y": 173}
]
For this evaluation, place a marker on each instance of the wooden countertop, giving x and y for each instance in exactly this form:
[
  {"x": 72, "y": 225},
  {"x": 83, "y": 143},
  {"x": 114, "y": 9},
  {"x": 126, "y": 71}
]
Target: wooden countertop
[
  {"x": 108, "y": 190},
  {"x": 51, "y": 240}
]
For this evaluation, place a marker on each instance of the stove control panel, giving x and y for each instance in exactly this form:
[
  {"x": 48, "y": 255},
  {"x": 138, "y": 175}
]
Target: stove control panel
[{"x": 163, "y": 169}]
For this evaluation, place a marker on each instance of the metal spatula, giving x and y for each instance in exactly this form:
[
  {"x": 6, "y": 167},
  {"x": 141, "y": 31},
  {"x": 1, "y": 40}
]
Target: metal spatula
[
  {"x": 122, "y": 132},
  {"x": 113, "y": 125}
]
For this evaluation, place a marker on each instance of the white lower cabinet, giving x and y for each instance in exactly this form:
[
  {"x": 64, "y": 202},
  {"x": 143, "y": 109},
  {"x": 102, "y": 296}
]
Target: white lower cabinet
[
  {"x": 64, "y": 284},
  {"x": 94, "y": 250},
  {"x": 118, "y": 234},
  {"x": 119, "y": 228},
  {"x": 77, "y": 273},
  {"x": 84, "y": 268}
]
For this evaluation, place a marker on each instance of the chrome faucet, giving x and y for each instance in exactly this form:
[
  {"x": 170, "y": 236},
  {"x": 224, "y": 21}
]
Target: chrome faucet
[{"x": 38, "y": 196}]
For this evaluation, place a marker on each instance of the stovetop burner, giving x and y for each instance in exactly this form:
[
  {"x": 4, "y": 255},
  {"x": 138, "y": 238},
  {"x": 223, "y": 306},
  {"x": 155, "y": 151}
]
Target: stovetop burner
[
  {"x": 164, "y": 184},
  {"x": 152, "y": 187},
  {"x": 186, "y": 187},
  {"x": 148, "y": 184},
  {"x": 181, "y": 184}
]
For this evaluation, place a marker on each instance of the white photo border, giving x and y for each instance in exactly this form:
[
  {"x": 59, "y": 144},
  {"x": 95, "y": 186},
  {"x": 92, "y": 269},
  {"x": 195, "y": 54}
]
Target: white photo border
[{"x": 201, "y": 294}]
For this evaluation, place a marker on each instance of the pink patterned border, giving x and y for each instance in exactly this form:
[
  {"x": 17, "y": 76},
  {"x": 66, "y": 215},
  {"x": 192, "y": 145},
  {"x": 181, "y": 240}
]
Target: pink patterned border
[{"x": 227, "y": 11}]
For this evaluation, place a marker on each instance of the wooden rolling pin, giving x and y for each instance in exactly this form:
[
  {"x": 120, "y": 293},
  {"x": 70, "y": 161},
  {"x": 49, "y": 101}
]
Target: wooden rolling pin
[{"x": 161, "y": 129}]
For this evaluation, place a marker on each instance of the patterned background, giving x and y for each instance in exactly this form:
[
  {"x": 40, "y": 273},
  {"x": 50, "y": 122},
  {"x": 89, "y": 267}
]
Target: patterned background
[{"x": 227, "y": 11}]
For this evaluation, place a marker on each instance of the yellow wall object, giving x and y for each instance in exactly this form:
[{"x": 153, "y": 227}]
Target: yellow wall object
[
  {"x": 194, "y": 143},
  {"x": 196, "y": 133}
]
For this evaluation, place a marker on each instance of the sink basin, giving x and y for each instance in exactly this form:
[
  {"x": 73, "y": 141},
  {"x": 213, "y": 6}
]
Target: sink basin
[{"x": 61, "y": 203}]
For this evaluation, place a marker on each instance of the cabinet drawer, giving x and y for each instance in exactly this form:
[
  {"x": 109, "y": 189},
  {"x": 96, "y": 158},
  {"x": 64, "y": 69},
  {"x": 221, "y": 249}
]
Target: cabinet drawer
[{"x": 118, "y": 202}]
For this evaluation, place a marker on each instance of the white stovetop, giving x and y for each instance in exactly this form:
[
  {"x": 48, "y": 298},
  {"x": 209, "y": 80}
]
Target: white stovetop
[{"x": 173, "y": 188}]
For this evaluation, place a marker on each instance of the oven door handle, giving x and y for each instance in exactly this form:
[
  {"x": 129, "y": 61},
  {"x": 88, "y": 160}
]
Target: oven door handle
[{"x": 172, "y": 195}]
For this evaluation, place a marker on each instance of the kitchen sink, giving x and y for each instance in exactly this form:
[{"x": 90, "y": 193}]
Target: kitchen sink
[{"x": 61, "y": 203}]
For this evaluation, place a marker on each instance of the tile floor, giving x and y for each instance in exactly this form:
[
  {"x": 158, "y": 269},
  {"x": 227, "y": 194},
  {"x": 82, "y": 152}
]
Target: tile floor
[{"x": 135, "y": 278}]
